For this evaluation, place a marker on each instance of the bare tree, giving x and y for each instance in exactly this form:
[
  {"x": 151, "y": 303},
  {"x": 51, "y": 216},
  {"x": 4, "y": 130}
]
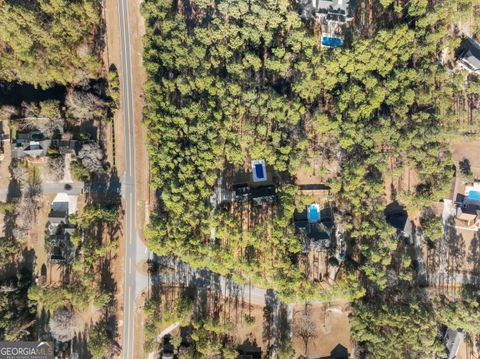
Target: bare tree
[
  {"x": 30, "y": 109},
  {"x": 84, "y": 105},
  {"x": 55, "y": 168},
  {"x": 306, "y": 328},
  {"x": 6, "y": 112},
  {"x": 19, "y": 172},
  {"x": 64, "y": 324},
  {"x": 28, "y": 203},
  {"x": 46, "y": 125},
  {"x": 26, "y": 211},
  {"x": 91, "y": 156}
]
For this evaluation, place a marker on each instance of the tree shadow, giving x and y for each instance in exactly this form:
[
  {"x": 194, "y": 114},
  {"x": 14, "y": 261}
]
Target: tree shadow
[
  {"x": 465, "y": 167},
  {"x": 267, "y": 333},
  {"x": 339, "y": 352},
  {"x": 79, "y": 345},
  {"x": 107, "y": 282}
]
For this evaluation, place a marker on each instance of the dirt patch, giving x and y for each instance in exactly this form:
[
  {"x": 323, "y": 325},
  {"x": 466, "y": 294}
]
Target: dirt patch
[
  {"x": 139, "y": 321},
  {"x": 318, "y": 172},
  {"x": 238, "y": 313},
  {"x": 467, "y": 151},
  {"x": 112, "y": 57},
  {"x": 330, "y": 327},
  {"x": 36, "y": 236},
  {"x": 142, "y": 174},
  {"x": 470, "y": 348},
  {"x": 4, "y": 164}
]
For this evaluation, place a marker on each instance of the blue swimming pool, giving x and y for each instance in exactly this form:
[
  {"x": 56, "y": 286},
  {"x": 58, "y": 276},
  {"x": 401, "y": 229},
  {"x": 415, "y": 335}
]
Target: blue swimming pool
[
  {"x": 474, "y": 195},
  {"x": 259, "y": 171},
  {"x": 313, "y": 213},
  {"x": 332, "y": 41}
]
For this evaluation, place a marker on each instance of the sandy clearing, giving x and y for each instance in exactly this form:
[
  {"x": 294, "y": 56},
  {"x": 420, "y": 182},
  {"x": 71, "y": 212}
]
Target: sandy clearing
[
  {"x": 112, "y": 57},
  {"x": 332, "y": 330},
  {"x": 5, "y": 163},
  {"x": 36, "y": 236},
  {"x": 467, "y": 150}
]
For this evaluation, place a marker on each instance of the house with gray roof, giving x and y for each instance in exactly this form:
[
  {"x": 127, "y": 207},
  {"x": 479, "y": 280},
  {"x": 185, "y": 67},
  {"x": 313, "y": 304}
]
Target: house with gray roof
[
  {"x": 468, "y": 55},
  {"x": 340, "y": 11},
  {"x": 34, "y": 145},
  {"x": 453, "y": 339},
  {"x": 332, "y": 15},
  {"x": 60, "y": 230},
  {"x": 31, "y": 144}
]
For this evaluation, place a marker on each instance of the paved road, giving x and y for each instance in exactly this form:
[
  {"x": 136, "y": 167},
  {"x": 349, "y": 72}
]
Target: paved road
[
  {"x": 128, "y": 184},
  {"x": 182, "y": 273}
]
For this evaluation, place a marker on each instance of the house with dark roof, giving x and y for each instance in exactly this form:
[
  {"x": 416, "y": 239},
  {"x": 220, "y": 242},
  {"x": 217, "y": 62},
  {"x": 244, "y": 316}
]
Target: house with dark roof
[
  {"x": 249, "y": 350},
  {"x": 316, "y": 230},
  {"x": 263, "y": 194},
  {"x": 468, "y": 55},
  {"x": 256, "y": 185},
  {"x": 56, "y": 219},
  {"x": 61, "y": 247},
  {"x": 258, "y": 194},
  {"x": 333, "y": 10},
  {"x": 34, "y": 145}
]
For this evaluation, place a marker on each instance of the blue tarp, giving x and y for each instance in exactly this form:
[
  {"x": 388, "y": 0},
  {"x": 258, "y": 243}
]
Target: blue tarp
[{"x": 332, "y": 41}]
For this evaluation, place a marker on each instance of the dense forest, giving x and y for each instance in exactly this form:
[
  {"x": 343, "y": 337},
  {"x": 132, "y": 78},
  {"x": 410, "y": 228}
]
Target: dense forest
[
  {"x": 232, "y": 81},
  {"x": 46, "y": 42}
]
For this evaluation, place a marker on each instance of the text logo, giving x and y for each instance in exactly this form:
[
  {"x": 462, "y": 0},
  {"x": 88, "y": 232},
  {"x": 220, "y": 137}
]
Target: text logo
[{"x": 26, "y": 350}]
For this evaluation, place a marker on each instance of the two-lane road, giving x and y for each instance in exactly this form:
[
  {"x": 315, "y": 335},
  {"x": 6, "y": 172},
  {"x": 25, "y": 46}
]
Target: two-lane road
[{"x": 130, "y": 236}]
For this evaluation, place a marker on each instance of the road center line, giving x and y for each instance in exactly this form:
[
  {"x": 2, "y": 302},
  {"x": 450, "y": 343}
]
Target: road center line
[
  {"x": 126, "y": 86},
  {"x": 132, "y": 231}
]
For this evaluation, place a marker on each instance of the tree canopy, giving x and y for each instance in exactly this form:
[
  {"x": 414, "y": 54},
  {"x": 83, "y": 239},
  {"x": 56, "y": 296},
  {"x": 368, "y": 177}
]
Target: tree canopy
[{"x": 43, "y": 42}]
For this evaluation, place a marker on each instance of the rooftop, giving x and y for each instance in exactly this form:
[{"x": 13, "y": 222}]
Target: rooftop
[
  {"x": 453, "y": 339},
  {"x": 336, "y": 10},
  {"x": 57, "y": 216},
  {"x": 318, "y": 233},
  {"x": 469, "y": 54}
]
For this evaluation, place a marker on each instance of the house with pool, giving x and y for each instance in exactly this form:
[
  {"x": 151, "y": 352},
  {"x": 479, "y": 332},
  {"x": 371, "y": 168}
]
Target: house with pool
[
  {"x": 255, "y": 185},
  {"x": 332, "y": 15},
  {"x": 315, "y": 227},
  {"x": 468, "y": 207}
]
